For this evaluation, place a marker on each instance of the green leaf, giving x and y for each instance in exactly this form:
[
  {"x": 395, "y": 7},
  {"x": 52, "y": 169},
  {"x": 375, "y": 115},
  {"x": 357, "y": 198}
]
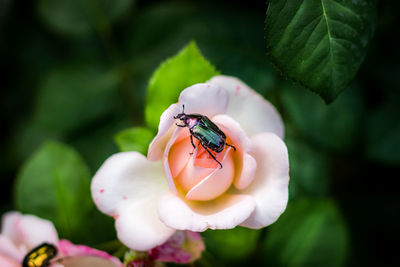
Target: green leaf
[
  {"x": 95, "y": 145},
  {"x": 78, "y": 18},
  {"x": 54, "y": 184},
  {"x": 70, "y": 98},
  {"x": 188, "y": 67},
  {"x": 164, "y": 27},
  {"x": 309, "y": 169},
  {"x": 311, "y": 232},
  {"x": 383, "y": 135},
  {"x": 233, "y": 246},
  {"x": 320, "y": 43},
  {"x": 134, "y": 139},
  {"x": 336, "y": 127}
]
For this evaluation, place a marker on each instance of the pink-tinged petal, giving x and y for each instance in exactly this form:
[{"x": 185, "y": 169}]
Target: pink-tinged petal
[
  {"x": 8, "y": 262},
  {"x": 170, "y": 251},
  {"x": 10, "y": 221},
  {"x": 170, "y": 168},
  {"x": 179, "y": 153},
  {"x": 270, "y": 186},
  {"x": 183, "y": 247},
  {"x": 85, "y": 261},
  {"x": 68, "y": 250},
  {"x": 165, "y": 130},
  {"x": 199, "y": 166},
  {"x": 36, "y": 231},
  {"x": 204, "y": 98},
  {"x": 127, "y": 177},
  {"x": 194, "y": 244},
  {"x": 245, "y": 164},
  {"x": 9, "y": 249},
  {"x": 254, "y": 114},
  {"x": 28, "y": 230},
  {"x": 139, "y": 227},
  {"x": 225, "y": 212},
  {"x": 214, "y": 184},
  {"x": 248, "y": 172},
  {"x": 127, "y": 186}
]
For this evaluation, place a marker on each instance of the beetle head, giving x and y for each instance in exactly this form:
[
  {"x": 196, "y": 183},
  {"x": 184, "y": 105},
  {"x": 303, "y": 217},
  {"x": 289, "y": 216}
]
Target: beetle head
[{"x": 182, "y": 115}]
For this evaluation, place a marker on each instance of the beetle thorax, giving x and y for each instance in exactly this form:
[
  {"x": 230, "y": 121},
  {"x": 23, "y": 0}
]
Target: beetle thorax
[{"x": 191, "y": 122}]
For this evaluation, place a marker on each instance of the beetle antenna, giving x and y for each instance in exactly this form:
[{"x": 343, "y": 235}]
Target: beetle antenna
[{"x": 183, "y": 108}]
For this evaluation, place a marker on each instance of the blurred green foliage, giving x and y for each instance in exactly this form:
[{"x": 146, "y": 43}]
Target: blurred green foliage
[
  {"x": 77, "y": 18},
  {"x": 309, "y": 169},
  {"x": 54, "y": 184},
  {"x": 77, "y": 72},
  {"x": 335, "y": 127},
  {"x": 134, "y": 139},
  {"x": 188, "y": 67},
  {"x": 311, "y": 232},
  {"x": 231, "y": 247}
]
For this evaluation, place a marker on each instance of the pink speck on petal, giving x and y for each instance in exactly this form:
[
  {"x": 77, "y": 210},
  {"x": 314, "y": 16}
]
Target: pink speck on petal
[
  {"x": 101, "y": 191},
  {"x": 116, "y": 216},
  {"x": 124, "y": 197},
  {"x": 237, "y": 90},
  {"x": 22, "y": 235}
]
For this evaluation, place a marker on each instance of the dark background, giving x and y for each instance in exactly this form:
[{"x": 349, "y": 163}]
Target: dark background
[{"x": 81, "y": 83}]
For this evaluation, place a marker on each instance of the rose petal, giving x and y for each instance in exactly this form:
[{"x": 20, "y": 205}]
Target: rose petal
[
  {"x": 214, "y": 184},
  {"x": 270, "y": 186},
  {"x": 8, "y": 262},
  {"x": 165, "y": 130},
  {"x": 68, "y": 249},
  {"x": 183, "y": 247},
  {"x": 28, "y": 230},
  {"x": 179, "y": 154},
  {"x": 124, "y": 177},
  {"x": 128, "y": 186},
  {"x": 204, "y": 98},
  {"x": 192, "y": 174},
  {"x": 225, "y": 212},
  {"x": 247, "y": 174},
  {"x": 245, "y": 164},
  {"x": 8, "y": 225},
  {"x": 139, "y": 227},
  {"x": 171, "y": 250},
  {"x": 176, "y": 136},
  {"x": 254, "y": 114},
  {"x": 85, "y": 261},
  {"x": 194, "y": 244},
  {"x": 8, "y": 248}
]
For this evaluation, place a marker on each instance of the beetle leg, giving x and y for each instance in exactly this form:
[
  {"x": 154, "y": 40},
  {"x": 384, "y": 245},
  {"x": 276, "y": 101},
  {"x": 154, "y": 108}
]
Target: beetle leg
[
  {"x": 209, "y": 152},
  {"x": 234, "y": 148},
  {"x": 180, "y": 125},
  {"x": 191, "y": 141}
]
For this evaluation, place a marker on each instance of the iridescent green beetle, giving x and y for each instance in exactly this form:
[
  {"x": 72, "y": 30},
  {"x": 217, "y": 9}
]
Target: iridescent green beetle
[
  {"x": 204, "y": 130},
  {"x": 40, "y": 256}
]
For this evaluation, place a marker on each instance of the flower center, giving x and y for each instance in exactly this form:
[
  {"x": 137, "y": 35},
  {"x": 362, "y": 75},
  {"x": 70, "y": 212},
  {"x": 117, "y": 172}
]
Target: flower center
[{"x": 205, "y": 160}]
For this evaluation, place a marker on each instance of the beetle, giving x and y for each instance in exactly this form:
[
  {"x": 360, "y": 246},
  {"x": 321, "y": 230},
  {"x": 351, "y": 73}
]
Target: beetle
[
  {"x": 40, "y": 256},
  {"x": 204, "y": 130}
]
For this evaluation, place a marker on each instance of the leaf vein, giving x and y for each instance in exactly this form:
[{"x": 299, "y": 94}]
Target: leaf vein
[
  {"x": 345, "y": 24},
  {"x": 351, "y": 11},
  {"x": 330, "y": 39}
]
